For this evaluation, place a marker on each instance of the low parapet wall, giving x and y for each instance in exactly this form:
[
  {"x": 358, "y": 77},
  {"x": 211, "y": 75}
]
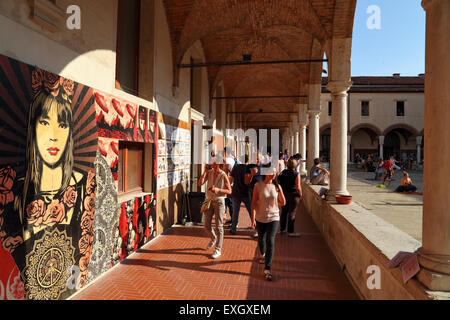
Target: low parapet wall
[{"x": 362, "y": 242}]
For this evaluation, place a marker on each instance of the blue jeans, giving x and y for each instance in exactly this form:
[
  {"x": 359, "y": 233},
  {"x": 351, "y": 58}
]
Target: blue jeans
[
  {"x": 267, "y": 246},
  {"x": 236, "y": 208}
]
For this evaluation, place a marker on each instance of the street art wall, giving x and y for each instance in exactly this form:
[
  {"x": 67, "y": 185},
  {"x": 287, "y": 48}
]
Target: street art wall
[
  {"x": 59, "y": 217},
  {"x": 120, "y": 120}
]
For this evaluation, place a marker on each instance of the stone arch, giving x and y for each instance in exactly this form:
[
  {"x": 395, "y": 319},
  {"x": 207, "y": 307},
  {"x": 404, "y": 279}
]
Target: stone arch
[
  {"x": 403, "y": 126},
  {"x": 325, "y": 127},
  {"x": 396, "y": 132},
  {"x": 369, "y": 126}
]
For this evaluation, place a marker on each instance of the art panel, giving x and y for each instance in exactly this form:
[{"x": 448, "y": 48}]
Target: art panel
[
  {"x": 122, "y": 120},
  {"x": 60, "y": 223},
  {"x": 137, "y": 226},
  {"x": 47, "y": 196},
  {"x": 105, "y": 219}
]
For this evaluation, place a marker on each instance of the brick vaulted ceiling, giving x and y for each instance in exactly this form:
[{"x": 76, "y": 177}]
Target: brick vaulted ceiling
[{"x": 269, "y": 30}]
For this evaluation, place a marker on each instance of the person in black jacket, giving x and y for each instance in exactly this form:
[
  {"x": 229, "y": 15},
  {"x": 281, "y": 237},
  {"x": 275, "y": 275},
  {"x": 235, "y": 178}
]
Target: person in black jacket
[{"x": 290, "y": 182}]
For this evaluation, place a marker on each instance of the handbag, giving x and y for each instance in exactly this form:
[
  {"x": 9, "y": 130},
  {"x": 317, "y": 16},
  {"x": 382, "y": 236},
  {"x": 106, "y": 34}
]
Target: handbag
[{"x": 207, "y": 203}]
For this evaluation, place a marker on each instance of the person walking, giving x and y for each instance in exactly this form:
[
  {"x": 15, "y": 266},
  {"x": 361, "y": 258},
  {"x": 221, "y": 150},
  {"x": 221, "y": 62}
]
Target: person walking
[
  {"x": 253, "y": 176},
  {"x": 281, "y": 164},
  {"x": 239, "y": 192},
  {"x": 218, "y": 186},
  {"x": 378, "y": 169},
  {"x": 267, "y": 198},
  {"x": 388, "y": 168},
  {"x": 290, "y": 182}
]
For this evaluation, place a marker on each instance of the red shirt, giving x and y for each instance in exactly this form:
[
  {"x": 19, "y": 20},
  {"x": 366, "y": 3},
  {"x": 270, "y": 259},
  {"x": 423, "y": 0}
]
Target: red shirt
[{"x": 388, "y": 165}]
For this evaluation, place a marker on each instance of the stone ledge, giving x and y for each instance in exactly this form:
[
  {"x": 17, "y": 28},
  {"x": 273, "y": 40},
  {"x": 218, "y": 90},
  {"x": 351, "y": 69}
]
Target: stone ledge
[{"x": 358, "y": 239}]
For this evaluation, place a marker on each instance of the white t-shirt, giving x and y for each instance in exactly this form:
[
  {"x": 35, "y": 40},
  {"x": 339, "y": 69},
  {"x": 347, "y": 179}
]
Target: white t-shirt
[{"x": 230, "y": 163}]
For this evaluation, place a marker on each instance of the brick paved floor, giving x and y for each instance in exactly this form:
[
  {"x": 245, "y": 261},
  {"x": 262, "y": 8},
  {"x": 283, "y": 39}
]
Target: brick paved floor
[{"x": 175, "y": 266}]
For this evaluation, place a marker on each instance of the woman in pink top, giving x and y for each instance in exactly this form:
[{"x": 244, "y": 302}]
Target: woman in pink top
[{"x": 267, "y": 198}]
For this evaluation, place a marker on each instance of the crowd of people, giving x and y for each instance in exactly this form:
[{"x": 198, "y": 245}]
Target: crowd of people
[
  {"x": 368, "y": 162},
  {"x": 384, "y": 171},
  {"x": 270, "y": 193}
]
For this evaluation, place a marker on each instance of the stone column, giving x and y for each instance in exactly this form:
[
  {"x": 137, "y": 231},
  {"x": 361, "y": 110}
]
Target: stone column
[
  {"x": 434, "y": 255},
  {"x": 295, "y": 133},
  {"x": 302, "y": 147},
  {"x": 302, "y": 122},
  {"x": 339, "y": 130},
  {"x": 419, "y": 151},
  {"x": 313, "y": 137},
  {"x": 296, "y": 141},
  {"x": 291, "y": 152},
  {"x": 381, "y": 140},
  {"x": 349, "y": 142}
]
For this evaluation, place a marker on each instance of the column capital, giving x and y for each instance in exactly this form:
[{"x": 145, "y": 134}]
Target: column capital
[
  {"x": 381, "y": 139},
  {"x": 339, "y": 86},
  {"x": 419, "y": 140},
  {"x": 314, "y": 112}
]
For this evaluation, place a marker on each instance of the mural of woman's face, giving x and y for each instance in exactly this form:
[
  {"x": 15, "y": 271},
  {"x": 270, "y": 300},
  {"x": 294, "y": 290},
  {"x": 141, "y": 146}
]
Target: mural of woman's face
[{"x": 51, "y": 136}]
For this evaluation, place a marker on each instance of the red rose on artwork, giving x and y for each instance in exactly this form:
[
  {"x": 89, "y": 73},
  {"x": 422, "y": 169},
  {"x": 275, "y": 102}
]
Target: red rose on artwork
[
  {"x": 91, "y": 183},
  {"x": 85, "y": 244},
  {"x": 35, "y": 212},
  {"x": 68, "y": 86},
  {"x": 11, "y": 243},
  {"x": 36, "y": 80},
  {"x": 55, "y": 213},
  {"x": 87, "y": 223},
  {"x": 52, "y": 82},
  {"x": 83, "y": 264},
  {"x": 70, "y": 196},
  {"x": 89, "y": 203},
  {"x": 7, "y": 176}
]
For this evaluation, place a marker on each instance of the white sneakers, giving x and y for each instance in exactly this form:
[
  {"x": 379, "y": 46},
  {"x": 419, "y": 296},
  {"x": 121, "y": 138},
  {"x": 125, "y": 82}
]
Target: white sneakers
[{"x": 216, "y": 254}]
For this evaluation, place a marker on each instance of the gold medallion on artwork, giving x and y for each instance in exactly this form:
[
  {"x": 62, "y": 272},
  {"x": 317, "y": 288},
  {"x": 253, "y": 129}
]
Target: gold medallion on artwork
[{"x": 47, "y": 266}]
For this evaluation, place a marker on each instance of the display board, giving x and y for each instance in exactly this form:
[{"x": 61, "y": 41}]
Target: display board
[{"x": 174, "y": 155}]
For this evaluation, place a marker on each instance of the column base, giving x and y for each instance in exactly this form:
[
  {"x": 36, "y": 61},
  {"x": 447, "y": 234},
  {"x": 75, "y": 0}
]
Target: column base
[
  {"x": 434, "y": 281},
  {"x": 331, "y": 194},
  {"x": 435, "y": 271}
]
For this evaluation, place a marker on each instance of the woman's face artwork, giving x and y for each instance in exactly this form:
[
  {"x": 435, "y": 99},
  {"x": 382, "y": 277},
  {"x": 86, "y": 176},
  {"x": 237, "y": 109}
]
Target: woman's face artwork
[
  {"x": 51, "y": 136},
  {"x": 142, "y": 122}
]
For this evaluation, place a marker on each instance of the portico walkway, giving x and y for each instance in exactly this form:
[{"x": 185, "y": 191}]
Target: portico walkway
[{"x": 175, "y": 266}]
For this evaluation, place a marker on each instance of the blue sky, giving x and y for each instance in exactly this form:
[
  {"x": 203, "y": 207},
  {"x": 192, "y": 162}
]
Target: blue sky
[{"x": 398, "y": 47}]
